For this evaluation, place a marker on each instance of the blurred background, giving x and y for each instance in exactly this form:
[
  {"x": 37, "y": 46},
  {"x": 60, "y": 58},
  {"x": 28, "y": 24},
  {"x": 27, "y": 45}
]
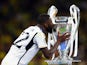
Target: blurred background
[{"x": 17, "y": 15}]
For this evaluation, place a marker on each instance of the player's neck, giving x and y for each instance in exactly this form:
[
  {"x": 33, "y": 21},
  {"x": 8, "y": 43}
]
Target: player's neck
[{"x": 42, "y": 28}]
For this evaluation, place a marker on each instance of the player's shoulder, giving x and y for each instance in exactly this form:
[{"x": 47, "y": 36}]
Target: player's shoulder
[
  {"x": 30, "y": 28},
  {"x": 33, "y": 29}
]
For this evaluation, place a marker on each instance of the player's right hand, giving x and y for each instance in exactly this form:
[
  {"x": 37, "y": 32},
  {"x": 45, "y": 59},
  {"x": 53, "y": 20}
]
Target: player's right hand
[{"x": 63, "y": 37}]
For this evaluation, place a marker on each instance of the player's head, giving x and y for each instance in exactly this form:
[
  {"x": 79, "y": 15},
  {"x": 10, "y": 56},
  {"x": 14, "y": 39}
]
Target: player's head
[{"x": 45, "y": 20}]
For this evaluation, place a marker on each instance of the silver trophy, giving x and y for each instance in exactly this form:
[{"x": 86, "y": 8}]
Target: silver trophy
[{"x": 64, "y": 24}]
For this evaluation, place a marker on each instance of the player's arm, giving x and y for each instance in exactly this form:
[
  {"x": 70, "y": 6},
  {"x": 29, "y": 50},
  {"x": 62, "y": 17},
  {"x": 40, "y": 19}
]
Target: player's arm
[{"x": 48, "y": 53}]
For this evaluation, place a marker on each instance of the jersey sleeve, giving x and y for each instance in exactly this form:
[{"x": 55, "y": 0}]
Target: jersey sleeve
[{"x": 40, "y": 40}]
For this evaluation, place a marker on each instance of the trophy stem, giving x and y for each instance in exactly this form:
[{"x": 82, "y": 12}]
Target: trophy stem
[{"x": 62, "y": 59}]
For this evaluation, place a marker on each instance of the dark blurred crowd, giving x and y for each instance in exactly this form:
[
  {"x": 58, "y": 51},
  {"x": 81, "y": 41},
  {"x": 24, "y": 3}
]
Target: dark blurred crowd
[{"x": 16, "y": 15}]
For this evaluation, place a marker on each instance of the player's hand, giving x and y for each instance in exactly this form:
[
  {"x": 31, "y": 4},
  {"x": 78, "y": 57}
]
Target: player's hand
[{"x": 63, "y": 37}]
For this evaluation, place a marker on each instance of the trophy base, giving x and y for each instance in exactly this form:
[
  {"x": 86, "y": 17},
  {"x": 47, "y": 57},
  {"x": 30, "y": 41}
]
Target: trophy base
[{"x": 61, "y": 62}]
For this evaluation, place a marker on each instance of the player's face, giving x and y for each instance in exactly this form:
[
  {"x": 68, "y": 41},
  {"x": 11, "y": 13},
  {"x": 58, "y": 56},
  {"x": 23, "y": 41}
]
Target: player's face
[{"x": 50, "y": 26}]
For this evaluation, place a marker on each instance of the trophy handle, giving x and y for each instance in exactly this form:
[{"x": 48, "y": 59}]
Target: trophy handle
[
  {"x": 52, "y": 12},
  {"x": 74, "y": 20}
]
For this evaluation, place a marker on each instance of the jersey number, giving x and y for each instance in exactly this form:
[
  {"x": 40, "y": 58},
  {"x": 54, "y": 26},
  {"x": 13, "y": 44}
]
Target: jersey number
[{"x": 22, "y": 39}]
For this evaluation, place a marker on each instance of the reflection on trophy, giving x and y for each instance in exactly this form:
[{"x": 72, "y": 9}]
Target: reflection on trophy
[{"x": 64, "y": 24}]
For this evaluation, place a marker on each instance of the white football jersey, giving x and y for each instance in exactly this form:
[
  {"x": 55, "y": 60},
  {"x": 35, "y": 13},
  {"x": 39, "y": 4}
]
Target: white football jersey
[{"x": 25, "y": 47}]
